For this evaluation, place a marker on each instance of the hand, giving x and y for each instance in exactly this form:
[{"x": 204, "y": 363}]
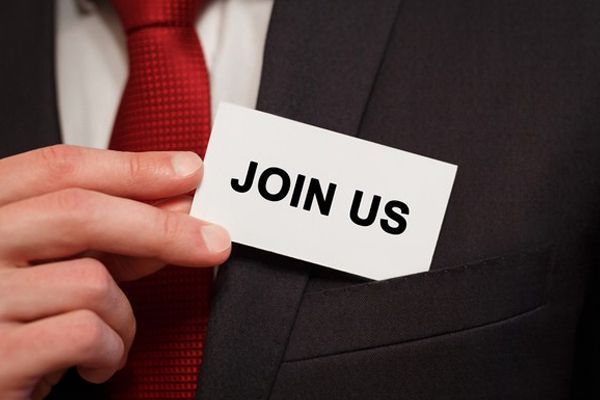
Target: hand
[{"x": 58, "y": 205}]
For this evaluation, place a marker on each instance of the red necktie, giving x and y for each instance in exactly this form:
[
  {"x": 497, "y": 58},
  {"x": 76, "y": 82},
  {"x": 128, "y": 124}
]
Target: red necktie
[{"x": 165, "y": 106}]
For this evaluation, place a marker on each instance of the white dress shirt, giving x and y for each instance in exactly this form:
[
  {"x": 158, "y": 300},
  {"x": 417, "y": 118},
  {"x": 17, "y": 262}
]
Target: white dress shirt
[{"x": 91, "y": 61}]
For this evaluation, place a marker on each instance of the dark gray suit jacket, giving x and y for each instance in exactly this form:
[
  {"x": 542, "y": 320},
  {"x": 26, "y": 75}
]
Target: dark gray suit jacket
[{"x": 507, "y": 90}]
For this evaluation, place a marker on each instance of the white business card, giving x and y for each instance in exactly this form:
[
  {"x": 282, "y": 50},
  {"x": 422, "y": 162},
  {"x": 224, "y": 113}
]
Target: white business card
[{"x": 322, "y": 197}]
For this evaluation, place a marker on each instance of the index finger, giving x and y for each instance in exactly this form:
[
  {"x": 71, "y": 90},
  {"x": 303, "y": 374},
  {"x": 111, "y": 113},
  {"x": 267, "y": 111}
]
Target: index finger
[{"x": 141, "y": 176}]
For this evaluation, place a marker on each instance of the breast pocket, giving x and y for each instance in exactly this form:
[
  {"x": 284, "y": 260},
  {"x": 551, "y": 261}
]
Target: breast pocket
[{"x": 419, "y": 306}]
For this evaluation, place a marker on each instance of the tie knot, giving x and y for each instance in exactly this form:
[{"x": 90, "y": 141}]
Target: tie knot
[{"x": 137, "y": 14}]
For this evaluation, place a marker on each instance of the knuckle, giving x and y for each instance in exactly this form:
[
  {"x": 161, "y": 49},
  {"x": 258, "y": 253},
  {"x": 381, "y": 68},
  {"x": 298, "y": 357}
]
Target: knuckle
[
  {"x": 170, "y": 226},
  {"x": 138, "y": 167},
  {"x": 99, "y": 284},
  {"x": 73, "y": 200},
  {"x": 91, "y": 330},
  {"x": 60, "y": 160},
  {"x": 101, "y": 293}
]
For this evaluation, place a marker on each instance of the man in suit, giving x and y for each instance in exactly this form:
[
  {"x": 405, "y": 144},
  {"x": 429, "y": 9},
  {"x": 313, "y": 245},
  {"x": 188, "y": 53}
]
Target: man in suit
[{"x": 508, "y": 91}]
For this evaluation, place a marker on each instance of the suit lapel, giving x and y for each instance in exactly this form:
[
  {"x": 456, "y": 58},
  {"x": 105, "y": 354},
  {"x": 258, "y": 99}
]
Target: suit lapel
[
  {"x": 321, "y": 59},
  {"x": 29, "y": 117}
]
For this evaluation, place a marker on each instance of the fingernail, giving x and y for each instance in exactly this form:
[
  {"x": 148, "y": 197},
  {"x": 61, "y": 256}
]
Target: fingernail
[
  {"x": 186, "y": 163},
  {"x": 216, "y": 238}
]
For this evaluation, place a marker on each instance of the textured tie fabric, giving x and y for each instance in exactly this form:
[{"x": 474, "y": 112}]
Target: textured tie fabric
[{"x": 165, "y": 106}]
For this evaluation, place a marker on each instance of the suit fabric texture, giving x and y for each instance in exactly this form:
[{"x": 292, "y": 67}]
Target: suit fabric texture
[{"x": 507, "y": 90}]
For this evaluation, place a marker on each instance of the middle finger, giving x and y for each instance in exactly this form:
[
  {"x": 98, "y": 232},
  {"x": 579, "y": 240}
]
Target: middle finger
[{"x": 68, "y": 222}]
